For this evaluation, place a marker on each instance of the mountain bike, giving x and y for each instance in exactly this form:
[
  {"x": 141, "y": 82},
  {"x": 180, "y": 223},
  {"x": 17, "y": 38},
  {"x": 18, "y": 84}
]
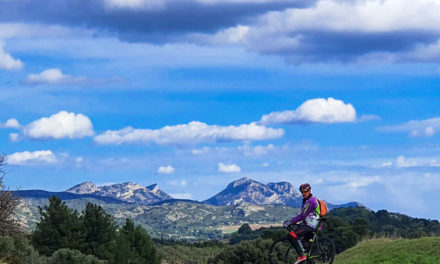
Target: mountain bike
[{"x": 319, "y": 249}]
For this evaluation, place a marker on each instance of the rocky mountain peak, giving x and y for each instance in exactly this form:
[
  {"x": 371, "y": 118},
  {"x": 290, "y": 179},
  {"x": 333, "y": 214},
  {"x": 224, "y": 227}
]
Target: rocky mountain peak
[
  {"x": 127, "y": 191},
  {"x": 153, "y": 188},
  {"x": 246, "y": 190},
  {"x": 241, "y": 181},
  {"x": 83, "y": 188},
  {"x": 283, "y": 188}
]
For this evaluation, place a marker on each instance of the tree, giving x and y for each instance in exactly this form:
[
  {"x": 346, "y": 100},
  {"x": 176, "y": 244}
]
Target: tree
[
  {"x": 360, "y": 226},
  {"x": 244, "y": 229},
  {"x": 8, "y": 203},
  {"x": 99, "y": 229},
  {"x": 135, "y": 245},
  {"x": 59, "y": 227},
  {"x": 19, "y": 251}
]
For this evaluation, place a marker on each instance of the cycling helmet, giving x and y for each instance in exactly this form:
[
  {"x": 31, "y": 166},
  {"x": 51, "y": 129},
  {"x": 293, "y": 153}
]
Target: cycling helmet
[{"x": 305, "y": 187}]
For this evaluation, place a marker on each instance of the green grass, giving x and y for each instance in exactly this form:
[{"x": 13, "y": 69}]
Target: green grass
[{"x": 386, "y": 251}]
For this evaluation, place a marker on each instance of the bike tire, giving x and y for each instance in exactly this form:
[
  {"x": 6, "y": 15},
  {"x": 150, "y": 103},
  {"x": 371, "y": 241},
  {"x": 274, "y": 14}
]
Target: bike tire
[
  {"x": 281, "y": 252},
  {"x": 326, "y": 251}
]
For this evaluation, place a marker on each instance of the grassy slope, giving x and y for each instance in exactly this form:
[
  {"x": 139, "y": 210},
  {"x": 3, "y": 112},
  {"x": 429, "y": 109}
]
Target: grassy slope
[{"x": 387, "y": 251}]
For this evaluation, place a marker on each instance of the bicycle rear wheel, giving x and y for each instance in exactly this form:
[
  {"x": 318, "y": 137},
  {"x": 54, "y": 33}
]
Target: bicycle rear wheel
[
  {"x": 281, "y": 252},
  {"x": 326, "y": 251}
]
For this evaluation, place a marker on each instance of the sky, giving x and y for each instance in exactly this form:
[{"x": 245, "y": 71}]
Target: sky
[{"x": 194, "y": 94}]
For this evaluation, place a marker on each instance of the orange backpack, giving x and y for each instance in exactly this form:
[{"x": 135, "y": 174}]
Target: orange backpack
[{"x": 323, "y": 210}]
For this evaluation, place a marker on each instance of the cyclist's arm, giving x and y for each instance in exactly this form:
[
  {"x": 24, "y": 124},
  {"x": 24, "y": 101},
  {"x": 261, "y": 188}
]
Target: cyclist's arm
[{"x": 309, "y": 207}]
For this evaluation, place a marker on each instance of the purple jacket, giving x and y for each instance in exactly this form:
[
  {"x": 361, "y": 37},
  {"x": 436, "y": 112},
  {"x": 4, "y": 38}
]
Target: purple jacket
[{"x": 309, "y": 212}]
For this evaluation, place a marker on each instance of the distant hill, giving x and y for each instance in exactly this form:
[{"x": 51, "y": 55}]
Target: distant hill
[
  {"x": 402, "y": 251},
  {"x": 170, "y": 219}
]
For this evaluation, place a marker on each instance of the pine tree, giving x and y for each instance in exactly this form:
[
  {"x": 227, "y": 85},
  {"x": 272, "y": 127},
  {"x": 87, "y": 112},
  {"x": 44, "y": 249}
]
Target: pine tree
[
  {"x": 137, "y": 244},
  {"x": 100, "y": 232},
  {"x": 59, "y": 227}
]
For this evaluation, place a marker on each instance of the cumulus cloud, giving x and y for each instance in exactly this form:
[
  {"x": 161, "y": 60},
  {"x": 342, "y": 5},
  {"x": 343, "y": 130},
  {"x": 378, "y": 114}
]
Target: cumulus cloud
[
  {"x": 314, "y": 111},
  {"x": 7, "y": 62},
  {"x": 189, "y": 134},
  {"x": 165, "y": 170},
  {"x": 60, "y": 125},
  {"x": 32, "y": 158},
  {"x": 10, "y": 123},
  {"x": 416, "y": 128},
  {"x": 228, "y": 168}
]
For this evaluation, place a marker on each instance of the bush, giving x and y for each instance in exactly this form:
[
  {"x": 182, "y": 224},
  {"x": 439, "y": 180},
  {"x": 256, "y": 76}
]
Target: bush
[
  {"x": 19, "y": 251},
  {"x": 255, "y": 252},
  {"x": 72, "y": 256}
]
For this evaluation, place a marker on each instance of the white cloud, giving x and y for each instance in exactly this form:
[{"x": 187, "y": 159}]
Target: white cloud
[
  {"x": 53, "y": 76},
  {"x": 60, "y": 125},
  {"x": 228, "y": 168},
  {"x": 14, "y": 137},
  {"x": 165, "y": 170},
  {"x": 365, "y": 16},
  {"x": 32, "y": 158},
  {"x": 7, "y": 62},
  {"x": 230, "y": 35},
  {"x": 345, "y": 31},
  {"x": 10, "y": 123},
  {"x": 314, "y": 111},
  {"x": 189, "y": 134},
  {"x": 416, "y": 128}
]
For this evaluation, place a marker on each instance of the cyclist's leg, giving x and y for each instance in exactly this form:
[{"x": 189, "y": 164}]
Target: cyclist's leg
[{"x": 301, "y": 231}]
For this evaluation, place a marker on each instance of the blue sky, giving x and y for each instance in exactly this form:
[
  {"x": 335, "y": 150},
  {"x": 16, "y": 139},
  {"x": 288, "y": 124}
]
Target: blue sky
[{"x": 195, "y": 94}]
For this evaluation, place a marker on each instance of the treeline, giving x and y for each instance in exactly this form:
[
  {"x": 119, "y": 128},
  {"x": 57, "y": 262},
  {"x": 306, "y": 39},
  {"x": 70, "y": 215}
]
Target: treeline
[
  {"x": 65, "y": 236},
  {"x": 346, "y": 227},
  {"x": 389, "y": 224}
]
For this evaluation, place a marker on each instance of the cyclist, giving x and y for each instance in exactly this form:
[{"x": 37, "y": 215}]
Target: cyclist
[{"x": 308, "y": 218}]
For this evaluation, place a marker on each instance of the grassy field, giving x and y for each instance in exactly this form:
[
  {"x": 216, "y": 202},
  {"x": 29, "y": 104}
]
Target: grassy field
[{"x": 387, "y": 251}]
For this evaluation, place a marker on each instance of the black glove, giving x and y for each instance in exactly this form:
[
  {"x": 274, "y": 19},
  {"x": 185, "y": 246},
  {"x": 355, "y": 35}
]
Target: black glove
[{"x": 286, "y": 223}]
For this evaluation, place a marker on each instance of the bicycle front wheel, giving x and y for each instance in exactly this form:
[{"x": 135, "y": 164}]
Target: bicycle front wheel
[
  {"x": 281, "y": 252},
  {"x": 326, "y": 251}
]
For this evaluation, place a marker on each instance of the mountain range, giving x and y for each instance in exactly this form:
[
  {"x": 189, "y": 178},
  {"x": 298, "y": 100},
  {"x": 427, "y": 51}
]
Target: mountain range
[
  {"x": 242, "y": 201},
  {"x": 127, "y": 192},
  {"x": 237, "y": 192}
]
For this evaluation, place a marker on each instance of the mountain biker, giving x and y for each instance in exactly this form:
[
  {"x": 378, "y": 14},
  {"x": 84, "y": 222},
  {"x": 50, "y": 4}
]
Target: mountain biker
[{"x": 308, "y": 218}]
